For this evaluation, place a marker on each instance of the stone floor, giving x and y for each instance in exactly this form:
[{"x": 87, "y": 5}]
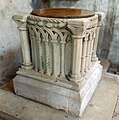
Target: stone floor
[
  {"x": 101, "y": 107},
  {"x": 116, "y": 111}
]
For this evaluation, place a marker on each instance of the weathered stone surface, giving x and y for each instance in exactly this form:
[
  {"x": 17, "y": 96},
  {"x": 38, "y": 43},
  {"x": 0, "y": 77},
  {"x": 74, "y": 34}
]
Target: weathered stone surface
[
  {"x": 100, "y": 108},
  {"x": 5, "y": 116},
  {"x": 10, "y": 51},
  {"x": 56, "y": 95},
  {"x": 116, "y": 110},
  {"x": 48, "y": 80},
  {"x": 43, "y": 93}
]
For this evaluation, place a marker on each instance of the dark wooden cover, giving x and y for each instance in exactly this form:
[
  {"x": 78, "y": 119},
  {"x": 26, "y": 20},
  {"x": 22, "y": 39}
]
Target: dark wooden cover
[{"x": 63, "y": 13}]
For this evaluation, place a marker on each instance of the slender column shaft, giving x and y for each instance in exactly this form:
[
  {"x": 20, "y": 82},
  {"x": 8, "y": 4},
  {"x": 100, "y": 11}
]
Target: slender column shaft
[
  {"x": 92, "y": 37},
  {"x": 76, "y": 61},
  {"x": 94, "y": 56},
  {"x": 23, "y": 31},
  {"x": 89, "y": 51},
  {"x": 87, "y": 55},
  {"x": 54, "y": 73},
  {"x": 31, "y": 34},
  {"x": 35, "y": 54},
  {"x": 47, "y": 58},
  {"x": 84, "y": 49},
  {"x": 25, "y": 48},
  {"x": 101, "y": 16},
  {"x": 62, "y": 48},
  {"x": 40, "y": 56}
]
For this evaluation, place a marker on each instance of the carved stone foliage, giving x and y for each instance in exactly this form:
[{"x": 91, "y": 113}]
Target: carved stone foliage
[{"x": 50, "y": 46}]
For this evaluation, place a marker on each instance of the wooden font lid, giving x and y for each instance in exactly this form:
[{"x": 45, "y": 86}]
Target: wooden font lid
[{"x": 63, "y": 13}]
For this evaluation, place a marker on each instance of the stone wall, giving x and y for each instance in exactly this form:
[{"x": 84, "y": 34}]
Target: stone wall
[
  {"x": 10, "y": 53},
  {"x": 114, "y": 45}
]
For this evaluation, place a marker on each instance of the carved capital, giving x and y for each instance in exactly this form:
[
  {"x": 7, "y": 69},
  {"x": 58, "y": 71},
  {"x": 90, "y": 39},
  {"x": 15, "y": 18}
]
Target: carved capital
[
  {"x": 20, "y": 20},
  {"x": 78, "y": 27},
  {"x": 76, "y": 30},
  {"x": 101, "y": 17}
]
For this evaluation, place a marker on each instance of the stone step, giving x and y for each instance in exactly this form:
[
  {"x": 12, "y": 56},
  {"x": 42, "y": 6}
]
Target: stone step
[{"x": 5, "y": 116}]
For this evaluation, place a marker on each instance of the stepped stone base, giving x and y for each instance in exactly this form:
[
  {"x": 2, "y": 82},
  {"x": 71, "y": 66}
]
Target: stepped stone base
[{"x": 68, "y": 96}]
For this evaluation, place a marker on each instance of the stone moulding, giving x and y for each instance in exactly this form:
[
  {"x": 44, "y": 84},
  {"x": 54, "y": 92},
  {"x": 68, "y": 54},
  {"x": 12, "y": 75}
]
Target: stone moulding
[{"x": 60, "y": 67}]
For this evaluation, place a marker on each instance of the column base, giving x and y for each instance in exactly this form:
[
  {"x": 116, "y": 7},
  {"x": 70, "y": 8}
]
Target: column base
[
  {"x": 26, "y": 67},
  {"x": 74, "y": 78},
  {"x": 68, "y": 96},
  {"x": 94, "y": 58}
]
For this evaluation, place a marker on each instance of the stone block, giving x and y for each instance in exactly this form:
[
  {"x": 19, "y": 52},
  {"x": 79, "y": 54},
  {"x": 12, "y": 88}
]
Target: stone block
[{"x": 57, "y": 95}]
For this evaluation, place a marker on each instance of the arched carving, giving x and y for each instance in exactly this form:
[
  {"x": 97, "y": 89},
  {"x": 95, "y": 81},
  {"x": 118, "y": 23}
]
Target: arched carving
[
  {"x": 51, "y": 46},
  {"x": 57, "y": 38}
]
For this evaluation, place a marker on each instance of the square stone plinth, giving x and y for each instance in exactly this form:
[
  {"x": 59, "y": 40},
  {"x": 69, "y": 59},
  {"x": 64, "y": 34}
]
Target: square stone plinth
[{"x": 68, "y": 96}]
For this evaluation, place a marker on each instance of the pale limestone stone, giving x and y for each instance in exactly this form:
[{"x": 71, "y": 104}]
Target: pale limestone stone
[
  {"x": 51, "y": 81},
  {"x": 67, "y": 96},
  {"x": 101, "y": 107},
  {"x": 21, "y": 22},
  {"x": 100, "y": 19}
]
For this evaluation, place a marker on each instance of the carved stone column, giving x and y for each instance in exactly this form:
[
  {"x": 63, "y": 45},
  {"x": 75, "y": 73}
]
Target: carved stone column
[
  {"x": 21, "y": 22},
  {"x": 47, "y": 56},
  {"x": 76, "y": 61},
  {"x": 62, "y": 47},
  {"x": 100, "y": 18},
  {"x": 77, "y": 38},
  {"x": 54, "y": 43},
  {"x": 83, "y": 66}
]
